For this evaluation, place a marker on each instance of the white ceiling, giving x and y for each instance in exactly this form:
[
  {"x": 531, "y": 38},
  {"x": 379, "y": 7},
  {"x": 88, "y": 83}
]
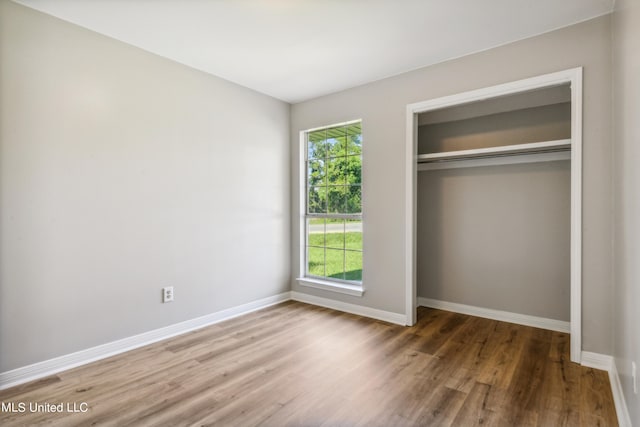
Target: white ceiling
[{"x": 300, "y": 49}]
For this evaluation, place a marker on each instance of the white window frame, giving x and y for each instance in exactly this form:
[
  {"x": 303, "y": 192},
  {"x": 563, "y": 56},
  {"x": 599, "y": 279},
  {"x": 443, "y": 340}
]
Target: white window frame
[{"x": 329, "y": 284}]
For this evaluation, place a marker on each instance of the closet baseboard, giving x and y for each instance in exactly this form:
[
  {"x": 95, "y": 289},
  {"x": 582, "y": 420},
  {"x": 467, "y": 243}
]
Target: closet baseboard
[{"x": 504, "y": 316}]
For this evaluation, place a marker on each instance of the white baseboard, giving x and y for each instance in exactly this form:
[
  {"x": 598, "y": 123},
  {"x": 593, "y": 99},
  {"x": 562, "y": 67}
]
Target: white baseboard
[
  {"x": 624, "y": 419},
  {"x": 607, "y": 363},
  {"x": 603, "y": 362},
  {"x": 504, "y": 316},
  {"x": 387, "y": 316},
  {"x": 68, "y": 361}
]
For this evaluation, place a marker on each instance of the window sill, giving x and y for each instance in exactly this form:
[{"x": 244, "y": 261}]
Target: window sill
[{"x": 327, "y": 285}]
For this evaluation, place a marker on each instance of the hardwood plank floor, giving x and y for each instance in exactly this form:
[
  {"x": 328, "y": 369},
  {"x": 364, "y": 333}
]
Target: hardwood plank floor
[{"x": 295, "y": 364}]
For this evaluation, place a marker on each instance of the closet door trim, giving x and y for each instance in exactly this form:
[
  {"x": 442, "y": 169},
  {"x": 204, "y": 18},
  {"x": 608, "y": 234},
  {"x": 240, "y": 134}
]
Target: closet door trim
[{"x": 574, "y": 78}]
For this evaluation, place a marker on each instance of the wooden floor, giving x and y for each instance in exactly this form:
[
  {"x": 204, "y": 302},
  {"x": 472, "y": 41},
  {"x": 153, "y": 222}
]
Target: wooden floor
[{"x": 299, "y": 365}]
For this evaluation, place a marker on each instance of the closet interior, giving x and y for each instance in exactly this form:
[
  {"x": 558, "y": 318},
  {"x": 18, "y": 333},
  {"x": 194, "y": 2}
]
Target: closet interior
[{"x": 493, "y": 220}]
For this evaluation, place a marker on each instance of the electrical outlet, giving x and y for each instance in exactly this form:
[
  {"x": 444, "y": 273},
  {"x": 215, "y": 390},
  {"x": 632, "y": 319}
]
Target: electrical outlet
[
  {"x": 634, "y": 376},
  {"x": 167, "y": 294}
]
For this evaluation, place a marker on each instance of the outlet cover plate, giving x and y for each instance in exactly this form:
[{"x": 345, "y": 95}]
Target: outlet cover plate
[{"x": 167, "y": 294}]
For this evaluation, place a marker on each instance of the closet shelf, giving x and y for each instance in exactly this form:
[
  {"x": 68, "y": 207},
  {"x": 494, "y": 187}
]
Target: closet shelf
[{"x": 506, "y": 150}]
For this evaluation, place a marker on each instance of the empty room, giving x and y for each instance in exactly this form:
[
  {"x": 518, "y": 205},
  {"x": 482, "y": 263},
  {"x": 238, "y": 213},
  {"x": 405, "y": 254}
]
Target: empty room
[{"x": 319, "y": 213}]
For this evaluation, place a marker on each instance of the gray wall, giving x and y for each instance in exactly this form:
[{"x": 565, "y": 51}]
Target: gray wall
[
  {"x": 122, "y": 172},
  {"x": 497, "y": 237},
  {"x": 548, "y": 123},
  {"x": 626, "y": 320},
  {"x": 382, "y": 107}
]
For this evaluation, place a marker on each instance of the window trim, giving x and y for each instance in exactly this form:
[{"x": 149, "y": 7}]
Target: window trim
[
  {"x": 329, "y": 284},
  {"x": 333, "y": 285}
]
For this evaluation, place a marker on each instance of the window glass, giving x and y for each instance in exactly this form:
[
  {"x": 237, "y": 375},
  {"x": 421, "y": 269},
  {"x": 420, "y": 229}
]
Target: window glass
[{"x": 333, "y": 172}]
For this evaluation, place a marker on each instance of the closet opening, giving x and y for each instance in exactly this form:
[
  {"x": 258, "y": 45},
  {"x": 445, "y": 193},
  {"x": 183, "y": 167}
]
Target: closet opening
[{"x": 494, "y": 204}]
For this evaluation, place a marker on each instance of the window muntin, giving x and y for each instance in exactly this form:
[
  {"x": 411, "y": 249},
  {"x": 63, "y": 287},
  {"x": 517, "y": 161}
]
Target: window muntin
[{"x": 333, "y": 211}]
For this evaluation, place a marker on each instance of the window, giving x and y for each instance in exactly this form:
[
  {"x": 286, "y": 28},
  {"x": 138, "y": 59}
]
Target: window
[{"x": 333, "y": 204}]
